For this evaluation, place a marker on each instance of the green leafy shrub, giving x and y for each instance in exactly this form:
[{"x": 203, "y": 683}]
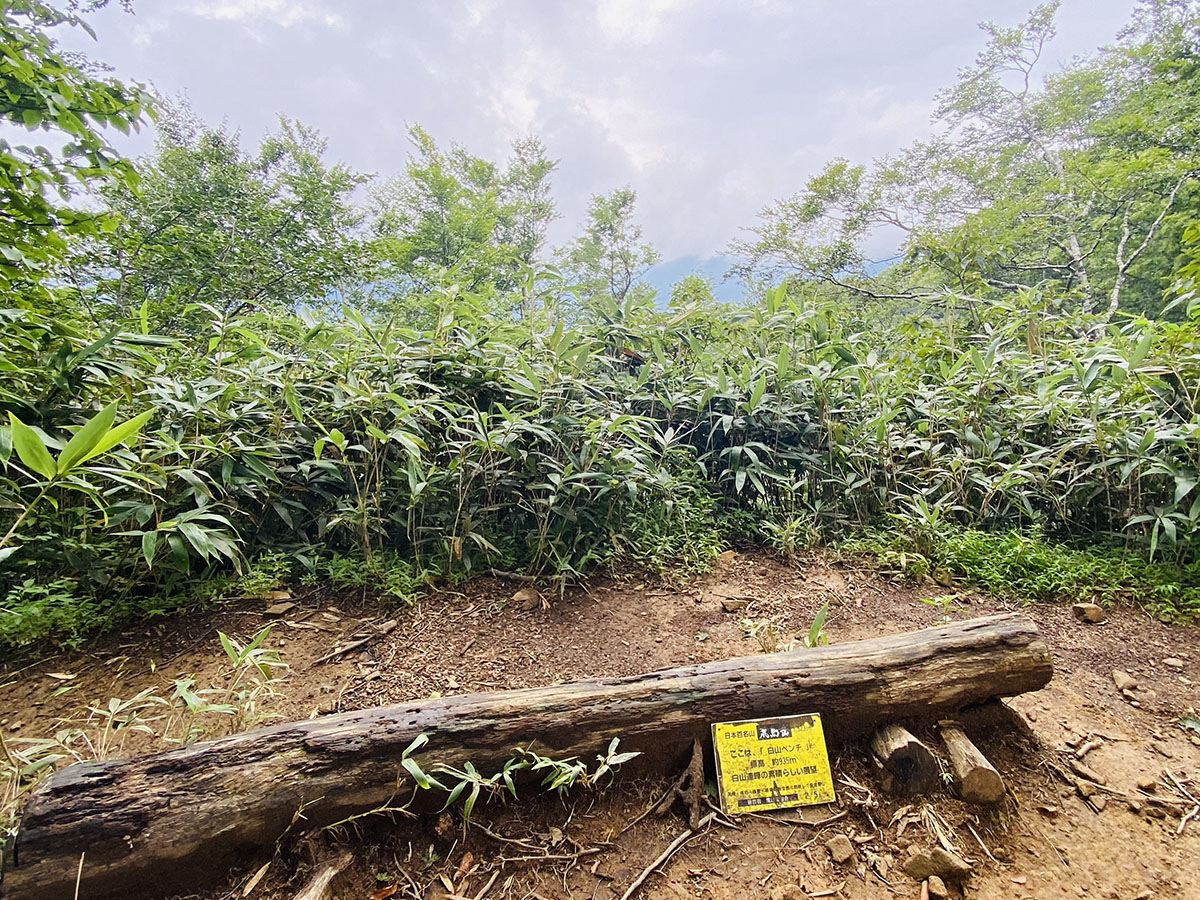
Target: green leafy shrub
[{"x": 386, "y": 456}]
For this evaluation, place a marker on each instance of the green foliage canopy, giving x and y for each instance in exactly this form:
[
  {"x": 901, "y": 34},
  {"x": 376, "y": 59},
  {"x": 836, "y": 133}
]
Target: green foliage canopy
[
  {"x": 44, "y": 90},
  {"x": 1079, "y": 181},
  {"x": 209, "y": 224}
]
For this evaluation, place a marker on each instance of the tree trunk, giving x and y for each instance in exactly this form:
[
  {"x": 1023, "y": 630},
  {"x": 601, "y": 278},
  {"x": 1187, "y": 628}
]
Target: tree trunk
[{"x": 187, "y": 816}]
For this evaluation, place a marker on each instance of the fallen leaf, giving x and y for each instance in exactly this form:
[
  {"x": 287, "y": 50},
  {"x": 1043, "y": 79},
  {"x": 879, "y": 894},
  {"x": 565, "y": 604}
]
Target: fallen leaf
[
  {"x": 61, "y": 676},
  {"x": 464, "y": 866},
  {"x": 384, "y": 892},
  {"x": 255, "y": 879}
]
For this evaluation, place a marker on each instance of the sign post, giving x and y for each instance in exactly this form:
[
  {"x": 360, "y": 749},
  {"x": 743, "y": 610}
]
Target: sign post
[{"x": 772, "y": 763}]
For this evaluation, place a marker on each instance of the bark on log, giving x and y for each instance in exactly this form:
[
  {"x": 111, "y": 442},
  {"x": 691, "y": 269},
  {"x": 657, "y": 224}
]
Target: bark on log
[
  {"x": 910, "y": 765},
  {"x": 187, "y": 816},
  {"x": 976, "y": 779}
]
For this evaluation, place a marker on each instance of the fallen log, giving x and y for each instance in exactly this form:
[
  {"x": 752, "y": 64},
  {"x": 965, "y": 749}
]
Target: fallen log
[
  {"x": 975, "y": 779},
  {"x": 155, "y": 824},
  {"x": 909, "y": 765}
]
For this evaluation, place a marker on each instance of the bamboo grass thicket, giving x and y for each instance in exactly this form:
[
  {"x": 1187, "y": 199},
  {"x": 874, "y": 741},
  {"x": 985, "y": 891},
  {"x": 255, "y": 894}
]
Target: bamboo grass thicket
[{"x": 491, "y": 442}]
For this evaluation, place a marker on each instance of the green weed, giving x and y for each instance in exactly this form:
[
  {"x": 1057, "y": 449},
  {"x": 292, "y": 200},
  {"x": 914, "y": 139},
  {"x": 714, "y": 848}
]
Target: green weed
[{"x": 1028, "y": 566}]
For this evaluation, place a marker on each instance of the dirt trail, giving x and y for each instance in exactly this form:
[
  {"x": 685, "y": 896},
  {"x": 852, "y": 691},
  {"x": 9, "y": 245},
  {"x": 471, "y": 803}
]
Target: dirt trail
[{"x": 1046, "y": 841}]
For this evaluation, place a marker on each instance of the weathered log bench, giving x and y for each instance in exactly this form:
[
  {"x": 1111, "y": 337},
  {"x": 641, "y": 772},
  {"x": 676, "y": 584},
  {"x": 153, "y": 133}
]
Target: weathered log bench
[{"x": 152, "y": 825}]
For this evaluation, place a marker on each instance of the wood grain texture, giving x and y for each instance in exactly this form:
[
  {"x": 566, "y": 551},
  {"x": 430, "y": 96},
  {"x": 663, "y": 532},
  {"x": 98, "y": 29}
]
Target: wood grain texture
[
  {"x": 975, "y": 779},
  {"x": 186, "y": 817}
]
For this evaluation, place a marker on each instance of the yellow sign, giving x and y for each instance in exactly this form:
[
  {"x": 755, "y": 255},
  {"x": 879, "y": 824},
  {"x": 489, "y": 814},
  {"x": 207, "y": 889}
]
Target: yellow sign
[{"x": 772, "y": 763}]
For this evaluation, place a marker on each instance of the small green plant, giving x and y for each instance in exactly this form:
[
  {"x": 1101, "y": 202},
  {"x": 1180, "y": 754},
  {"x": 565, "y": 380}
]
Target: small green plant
[
  {"x": 33, "y": 609},
  {"x": 563, "y": 774},
  {"x": 467, "y": 784},
  {"x": 670, "y": 529},
  {"x": 114, "y": 722},
  {"x": 791, "y": 535},
  {"x": 1028, "y": 566},
  {"x": 94, "y": 438},
  {"x": 253, "y": 668},
  {"x": 186, "y": 714},
  {"x": 558, "y": 774},
  {"x": 816, "y": 636},
  {"x": 945, "y": 603},
  {"x": 22, "y": 764},
  {"x": 611, "y": 760},
  {"x": 267, "y": 572},
  {"x": 384, "y": 571},
  {"x": 764, "y": 631}
]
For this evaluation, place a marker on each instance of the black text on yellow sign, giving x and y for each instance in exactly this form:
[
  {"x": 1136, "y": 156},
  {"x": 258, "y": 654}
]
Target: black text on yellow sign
[{"x": 772, "y": 763}]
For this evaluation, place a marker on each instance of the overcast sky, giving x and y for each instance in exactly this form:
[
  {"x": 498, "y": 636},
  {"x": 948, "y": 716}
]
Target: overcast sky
[{"x": 710, "y": 109}]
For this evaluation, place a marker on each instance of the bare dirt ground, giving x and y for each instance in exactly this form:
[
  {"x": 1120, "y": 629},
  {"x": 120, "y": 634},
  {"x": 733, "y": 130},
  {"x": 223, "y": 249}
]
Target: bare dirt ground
[{"x": 1046, "y": 840}]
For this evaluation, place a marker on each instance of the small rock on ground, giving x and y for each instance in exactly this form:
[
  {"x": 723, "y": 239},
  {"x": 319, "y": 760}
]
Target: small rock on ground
[
  {"x": 841, "y": 850},
  {"x": 527, "y": 599},
  {"x": 278, "y": 610},
  {"x": 1124, "y": 681},
  {"x": 937, "y": 888},
  {"x": 921, "y": 864},
  {"x": 1089, "y": 612}
]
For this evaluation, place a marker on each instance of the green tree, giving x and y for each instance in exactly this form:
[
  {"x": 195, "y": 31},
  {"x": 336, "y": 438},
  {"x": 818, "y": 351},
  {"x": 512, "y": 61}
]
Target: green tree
[
  {"x": 609, "y": 258},
  {"x": 213, "y": 225},
  {"x": 1074, "y": 179},
  {"x": 692, "y": 291},
  {"x": 1080, "y": 181},
  {"x": 44, "y": 89},
  {"x": 454, "y": 217},
  {"x": 818, "y": 233}
]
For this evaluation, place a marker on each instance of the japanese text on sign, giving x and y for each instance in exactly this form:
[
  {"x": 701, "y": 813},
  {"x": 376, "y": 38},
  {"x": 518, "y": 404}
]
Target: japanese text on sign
[{"x": 772, "y": 763}]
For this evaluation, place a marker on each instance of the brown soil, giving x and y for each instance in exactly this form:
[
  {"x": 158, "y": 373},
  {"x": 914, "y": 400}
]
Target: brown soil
[{"x": 1045, "y": 841}]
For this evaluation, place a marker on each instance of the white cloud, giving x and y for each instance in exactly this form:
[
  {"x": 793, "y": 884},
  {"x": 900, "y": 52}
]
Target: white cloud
[
  {"x": 876, "y": 111},
  {"x": 709, "y": 109},
  {"x": 628, "y": 123},
  {"x": 282, "y": 12},
  {"x": 146, "y": 30},
  {"x": 514, "y": 104},
  {"x": 478, "y": 11},
  {"x": 636, "y": 22}
]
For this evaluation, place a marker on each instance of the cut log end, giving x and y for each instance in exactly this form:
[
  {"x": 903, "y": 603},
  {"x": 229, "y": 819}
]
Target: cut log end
[
  {"x": 976, "y": 780},
  {"x": 910, "y": 765}
]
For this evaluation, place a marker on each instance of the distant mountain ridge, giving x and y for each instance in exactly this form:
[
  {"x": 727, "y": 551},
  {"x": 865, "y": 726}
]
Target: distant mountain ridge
[{"x": 667, "y": 273}]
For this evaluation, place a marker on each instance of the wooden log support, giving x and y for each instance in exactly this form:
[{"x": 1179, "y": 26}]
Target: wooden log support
[
  {"x": 176, "y": 820},
  {"x": 976, "y": 780},
  {"x": 910, "y": 766}
]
